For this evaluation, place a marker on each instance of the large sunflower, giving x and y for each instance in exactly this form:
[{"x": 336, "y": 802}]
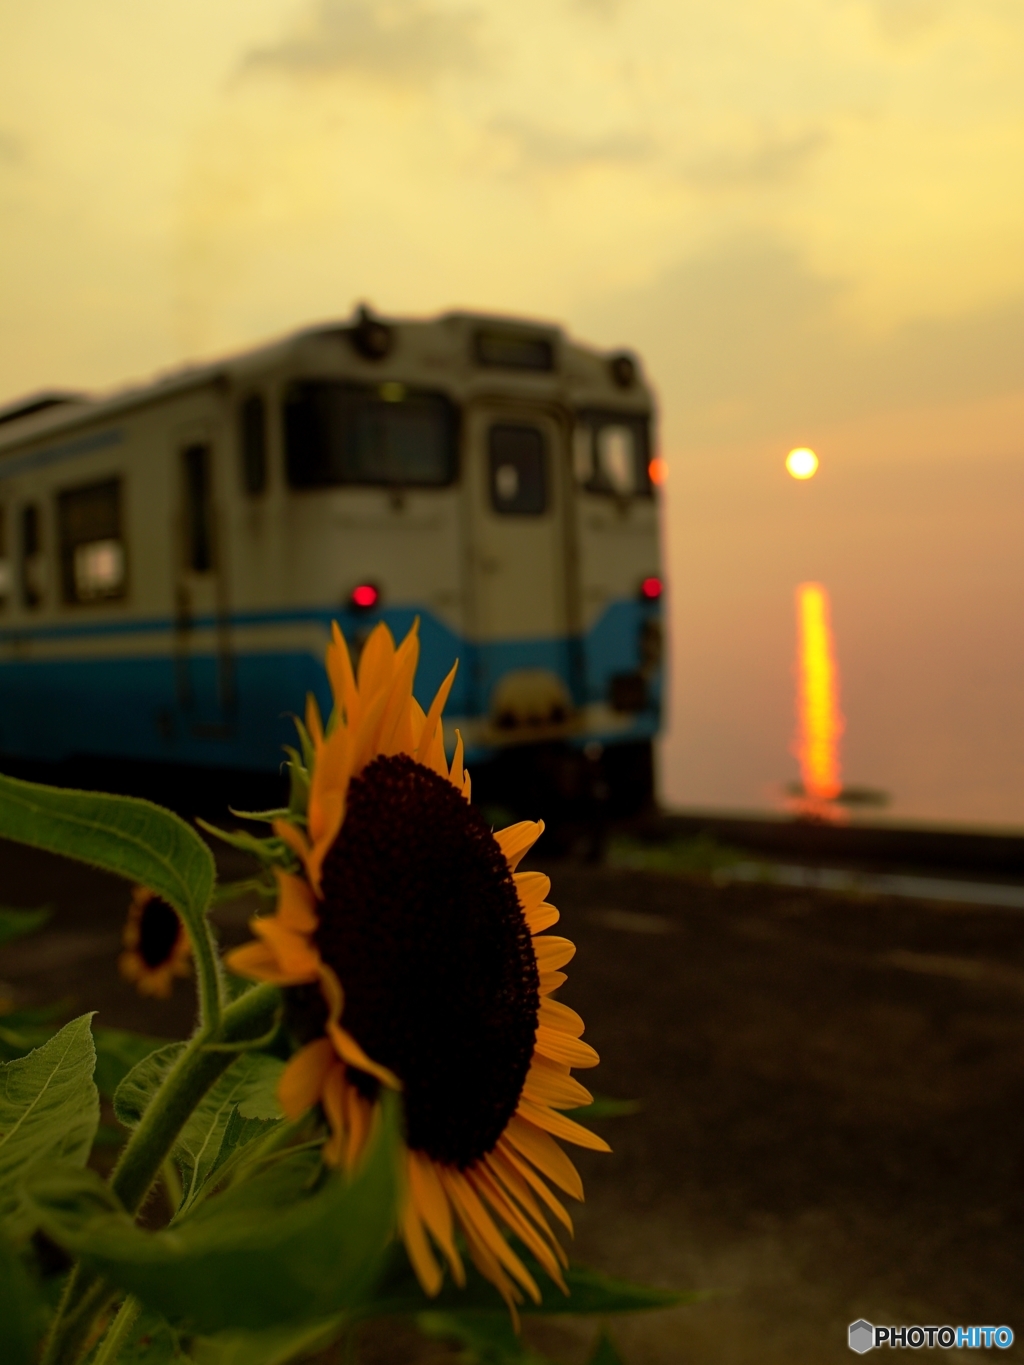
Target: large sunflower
[{"x": 415, "y": 958}]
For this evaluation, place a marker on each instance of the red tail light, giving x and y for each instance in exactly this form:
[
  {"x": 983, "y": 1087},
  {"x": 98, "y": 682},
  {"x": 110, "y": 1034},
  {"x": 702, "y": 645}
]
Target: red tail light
[
  {"x": 364, "y": 597},
  {"x": 651, "y": 589}
]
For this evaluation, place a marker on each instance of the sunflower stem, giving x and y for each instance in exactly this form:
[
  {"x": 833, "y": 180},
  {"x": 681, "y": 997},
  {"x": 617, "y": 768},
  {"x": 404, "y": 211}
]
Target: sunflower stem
[
  {"x": 209, "y": 978},
  {"x": 195, "y": 1071}
]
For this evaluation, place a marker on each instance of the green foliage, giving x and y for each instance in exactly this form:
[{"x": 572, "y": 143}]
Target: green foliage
[
  {"x": 121, "y": 834},
  {"x": 117, "y": 1052},
  {"x": 49, "y": 1110},
  {"x": 273, "y": 1346},
  {"x": 241, "y": 1107},
  {"x": 605, "y": 1352},
  {"x": 590, "y": 1291},
  {"x": 22, "y": 1311},
  {"x": 487, "y": 1338},
  {"x": 135, "y": 1092},
  {"x": 14, "y": 923},
  {"x": 700, "y": 856},
  {"x": 264, "y": 1254}
]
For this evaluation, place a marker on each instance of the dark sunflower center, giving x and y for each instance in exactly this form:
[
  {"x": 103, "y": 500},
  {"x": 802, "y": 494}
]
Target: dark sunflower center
[
  {"x": 158, "y": 932},
  {"x": 421, "y": 922}
]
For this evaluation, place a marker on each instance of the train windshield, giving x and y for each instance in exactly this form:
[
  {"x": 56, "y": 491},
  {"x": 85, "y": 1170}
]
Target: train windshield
[
  {"x": 611, "y": 453},
  {"x": 387, "y": 434}
]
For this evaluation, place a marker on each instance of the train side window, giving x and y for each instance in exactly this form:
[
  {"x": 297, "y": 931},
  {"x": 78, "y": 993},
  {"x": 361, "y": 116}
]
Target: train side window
[
  {"x": 33, "y": 565},
  {"x": 92, "y": 554},
  {"x": 388, "y": 435},
  {"x": 253, "y": 440},
  {"x": 518, "y": 458},
  {"x": 197, "y": 472},
  {"x": 6, "y": 577},
  {"x": 610, "y": 454}
]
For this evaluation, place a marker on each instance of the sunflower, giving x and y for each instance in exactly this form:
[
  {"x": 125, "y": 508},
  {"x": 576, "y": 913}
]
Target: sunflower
[
  {"x": 156, "y": 947},
  {"x": 414, "y": 957}
]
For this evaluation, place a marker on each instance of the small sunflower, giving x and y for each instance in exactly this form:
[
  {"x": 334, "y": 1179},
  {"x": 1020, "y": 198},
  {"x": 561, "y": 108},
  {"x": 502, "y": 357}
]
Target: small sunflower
[
  {"x": 414, "y": 957},
  {"x": 156, "y": 947}
]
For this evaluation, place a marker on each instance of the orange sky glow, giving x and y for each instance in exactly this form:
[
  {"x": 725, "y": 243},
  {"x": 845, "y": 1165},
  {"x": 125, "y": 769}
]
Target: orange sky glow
[{"x": 806, "y": 219}]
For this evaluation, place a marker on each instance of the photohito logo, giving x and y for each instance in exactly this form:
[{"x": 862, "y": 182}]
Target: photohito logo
[{"x": 864, "y": 1336}]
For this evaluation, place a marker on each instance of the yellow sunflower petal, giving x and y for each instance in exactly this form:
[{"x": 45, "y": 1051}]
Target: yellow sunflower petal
[
  {"x": 553, "y": 952},
  {"x": 333, "y": 1101},
  {"x": 512, "y": 1164},
  {"x": 376, "y": 662},
  {"x": 532, "y": 889},
  {"x": 303, "y": 1079},
  {"x": 515, "y": 841},
  {"x": 539, "y": 1148},
  {"x": 548, "y": 1083},
  {"x": 456, "y": 773},
  {"x": 489, "y": 1268},
  {"x": 562, "y": 1047},
  {"x": 550, "y": 981},
  {"x": 343, "y": 681},
  {"x": 433, "y": 1207},
  {"x": 259, "y": 962},
  {"x": 395, "y": 721},
  {"x": 506, "y": 1209},
  {"x": 430, "y": 735},
  {"x": 553, "y": 1014},
  {"x": 559, "y": 1126},
  {"x": 428, "y": 1272},
  {"x": 295, "y": 903},
  {"x": 350, "y": 1051},
  {"x": 478, "y": 1224},
  {"x": 295, "y": 954},
  {"x": 358, "y": 1121}
]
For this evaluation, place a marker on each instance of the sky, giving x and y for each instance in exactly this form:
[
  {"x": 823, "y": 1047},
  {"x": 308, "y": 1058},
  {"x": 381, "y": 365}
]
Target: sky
[{"x": 806, "y": 217}]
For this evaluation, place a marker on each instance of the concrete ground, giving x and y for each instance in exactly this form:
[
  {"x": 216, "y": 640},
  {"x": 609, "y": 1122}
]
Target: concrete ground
[{"x": 832, "y": 1092}]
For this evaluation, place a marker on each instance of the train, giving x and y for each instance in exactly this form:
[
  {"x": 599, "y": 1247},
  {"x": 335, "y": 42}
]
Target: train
[{"x": 172, "y": 554}]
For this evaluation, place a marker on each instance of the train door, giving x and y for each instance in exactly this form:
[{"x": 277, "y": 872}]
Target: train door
[
  {"x": 521, "y": 559},
  {"x": 205, "y": 681}
]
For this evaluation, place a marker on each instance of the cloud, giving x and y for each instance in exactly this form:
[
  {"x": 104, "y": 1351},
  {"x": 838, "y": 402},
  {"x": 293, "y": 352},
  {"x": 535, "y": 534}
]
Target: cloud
[
  {"x": 400, "y": 41},
  {"x": 904, "y": 20},
  {"x": 532, "y": 144},
  {"x": 12, "y": 148},
  {"x": 751, "y": 342},
  {"x": 771, "y": 159}
]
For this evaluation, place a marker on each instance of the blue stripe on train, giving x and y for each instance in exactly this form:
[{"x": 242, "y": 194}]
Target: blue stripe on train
[{"x": 163, "y": 707}]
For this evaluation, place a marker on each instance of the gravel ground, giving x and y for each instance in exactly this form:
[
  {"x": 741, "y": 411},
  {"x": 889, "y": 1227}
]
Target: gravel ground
[{"x": 832, "y": 1094}]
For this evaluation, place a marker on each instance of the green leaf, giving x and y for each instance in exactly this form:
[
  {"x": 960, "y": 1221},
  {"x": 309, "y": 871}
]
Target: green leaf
[
  {"x": 134, "y": 1093},
  {"x": 262, "y": 1254},
  {"x": 489, "y": 1338},
  {"x": 49, "y": 1109},
  {"x": 271, "y": 851},
  {"x": 605, "y": 1352},
  {"x": 14, "y": 923},
  {"x": 121, "y": 834},
  {"x": 273, "y": 1346},
  {"x": 240, "y": 1107},
  {"x": 22, "y": 1310},
  {"x": 590, "y": 1291},
  {"x": 117, "y": 1052}
]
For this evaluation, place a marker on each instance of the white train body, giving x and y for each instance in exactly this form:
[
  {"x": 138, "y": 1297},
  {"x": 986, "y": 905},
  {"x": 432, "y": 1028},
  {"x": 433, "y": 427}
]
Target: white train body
[{"x": 171, "y": 557}]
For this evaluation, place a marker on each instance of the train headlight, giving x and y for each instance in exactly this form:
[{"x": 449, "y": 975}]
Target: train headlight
[{"x": 364, "y": 597}]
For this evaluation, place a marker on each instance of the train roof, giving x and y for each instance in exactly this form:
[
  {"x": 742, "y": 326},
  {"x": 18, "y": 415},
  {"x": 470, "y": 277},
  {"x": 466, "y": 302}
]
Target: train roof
[{"x": 466, "y": 351}]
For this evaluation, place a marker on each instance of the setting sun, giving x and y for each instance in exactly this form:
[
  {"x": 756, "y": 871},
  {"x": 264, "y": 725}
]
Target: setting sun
[{"x": 802, "y": 463}]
